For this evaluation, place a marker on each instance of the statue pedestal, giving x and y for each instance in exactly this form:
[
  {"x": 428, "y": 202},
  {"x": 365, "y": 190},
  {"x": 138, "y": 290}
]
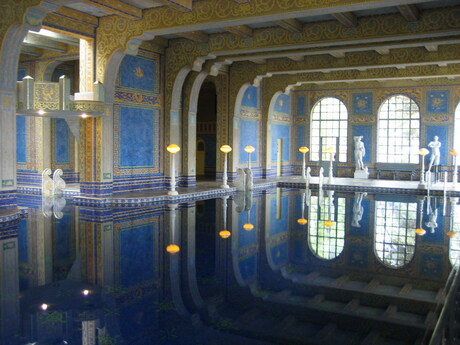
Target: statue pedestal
[{"x": 361, "y": 174}]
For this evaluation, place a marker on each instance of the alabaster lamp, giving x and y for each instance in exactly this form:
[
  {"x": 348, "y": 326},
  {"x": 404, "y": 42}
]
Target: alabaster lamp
[
  {"x": 422, "y": 152},
  {"x": 454, "y": 155},
  {"x": 249, "y": 149},
  {"x": 304, "y": 151},
  {"x": 225, "y": 149},
  {"x": 330, "y": 151},
  {"x": 173, "y": 149}
]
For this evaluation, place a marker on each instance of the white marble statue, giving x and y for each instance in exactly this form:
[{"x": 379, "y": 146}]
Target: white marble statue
[
  {"x": 435, "y": 152},
  {"x": 58, "y": 205},
  {"x": 249, "y": 179},
  {"x": 240, "y": 182},
  {"x": 432, "y": 222},
  {"x": 308, "y": 178},
  {"x": 358, "y": 209},
  {"x": 58, "y": 182},
  {"x": 360, "y": 152},
  {"x": 47, "y": 182}
]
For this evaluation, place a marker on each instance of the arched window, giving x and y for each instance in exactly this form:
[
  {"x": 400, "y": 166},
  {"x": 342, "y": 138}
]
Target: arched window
[
  {"x": 457, "y": 130},
  {"x": 398, "y": 131},
  {"x": 326, "y": 240},
  {"x": 329, "y": 120},
  {"x": 394, "y": 241},
  {"x": 454, "y": 242}
]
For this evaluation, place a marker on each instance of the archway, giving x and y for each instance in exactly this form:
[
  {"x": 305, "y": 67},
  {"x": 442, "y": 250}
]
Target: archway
[{"x": 206, "y": 132}]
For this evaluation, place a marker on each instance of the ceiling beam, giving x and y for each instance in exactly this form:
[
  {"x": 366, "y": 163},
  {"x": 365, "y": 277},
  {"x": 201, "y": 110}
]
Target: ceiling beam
[
  {"x": 240, "y": 30},
  {"x": 347, "y": 19},
  {"x": 70, "y": 13},
  {"x": 32, "y": 51},
  {"x": 292, "y": 25},
  {"x": 43, "y": 42},
  {"x": 197, "y": 36},
  {"x": 117, "y": 7},
  {"x": 409, "y": 12},
  {"x": 160, "y": 41},
  {"x": 58, "y": 37},
  {"x": 178, "y": 5}
]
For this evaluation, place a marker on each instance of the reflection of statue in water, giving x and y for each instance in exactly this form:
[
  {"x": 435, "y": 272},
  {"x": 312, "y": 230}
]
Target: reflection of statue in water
[
  {"x": 432, "y": 219},
  {"x": 435, "y": 152},
  {"x": 358, "y": 210},
  {"x": 360, "y": 152}
]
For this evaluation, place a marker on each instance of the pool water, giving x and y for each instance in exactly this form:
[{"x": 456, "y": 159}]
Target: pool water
[{"x": 294, "y": 267}]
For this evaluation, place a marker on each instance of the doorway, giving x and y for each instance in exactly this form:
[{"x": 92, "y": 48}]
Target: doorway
[{"x": 206, "y": 132}]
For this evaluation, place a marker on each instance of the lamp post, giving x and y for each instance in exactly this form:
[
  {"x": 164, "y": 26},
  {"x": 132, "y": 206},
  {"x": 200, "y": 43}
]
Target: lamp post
[
  {"x": 249, "y": 149},
  {"x": 224, "y": 233},
  {"x": 304, "y": 150},
  {"x": 225, "y": 149},
  {"x": 422, "y": 152},
  {"x": 173, "y": 148},
  {"x": 454, "y": 155},
  {"x": 331, "y": 152}
]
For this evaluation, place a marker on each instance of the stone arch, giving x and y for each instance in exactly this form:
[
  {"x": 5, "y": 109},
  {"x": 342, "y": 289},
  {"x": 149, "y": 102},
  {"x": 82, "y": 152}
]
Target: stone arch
[
  {"x": 9, "y": 59},
  {"x": 236, "y": 130},
  {"x": 190, "y": 147}
]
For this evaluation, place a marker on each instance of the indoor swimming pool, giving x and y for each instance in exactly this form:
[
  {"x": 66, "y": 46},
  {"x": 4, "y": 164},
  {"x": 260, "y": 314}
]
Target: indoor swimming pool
[{"x": 278, "y": 266}]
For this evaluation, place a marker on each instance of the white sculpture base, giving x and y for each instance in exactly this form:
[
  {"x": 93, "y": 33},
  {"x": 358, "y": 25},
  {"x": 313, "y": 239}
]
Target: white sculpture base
[{"x": 361, "y": 174}]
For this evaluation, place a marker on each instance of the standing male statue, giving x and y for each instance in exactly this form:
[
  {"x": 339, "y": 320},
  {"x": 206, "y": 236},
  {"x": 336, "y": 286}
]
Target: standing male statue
[
  {"x": 435, "y": 152},
  {"x": 360, "y": 152}
]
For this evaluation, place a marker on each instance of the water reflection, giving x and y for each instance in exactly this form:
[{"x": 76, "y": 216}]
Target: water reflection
[{"x": 355, "y": 267}]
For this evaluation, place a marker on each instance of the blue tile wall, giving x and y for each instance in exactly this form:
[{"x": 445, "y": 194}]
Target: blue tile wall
[
  {"x": 283, "y": 104},
  {"x": 21, "y": 139},
  {"x": 249, "y": 135},
  {"x": 362, "y": 103},
  {"x": 62, "y": 144},
  {"x": 137, "y": 72},
  {"x": 301, "y": 105},
  {"x": 250, "y": 98},
  {"x": 437, "y": 101},
  {"x": 281, "y": 132},
  {"x": 136, "y": 137}
]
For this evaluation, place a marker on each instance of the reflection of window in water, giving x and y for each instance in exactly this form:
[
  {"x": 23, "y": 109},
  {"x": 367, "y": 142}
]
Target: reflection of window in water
[
  {"x": 326, "y": 242},
  {"x": 454, "y": 243},
  {"x": 395, "y": 223}
]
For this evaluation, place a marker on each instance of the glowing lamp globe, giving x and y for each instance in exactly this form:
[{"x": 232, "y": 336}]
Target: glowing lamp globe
[
  {"x": 451, "y": 234},
  {"x": 453, "y": 153},
  {"x": 328, "y": 223},
  {"x": 173, "y": 148},
  {"x": 304, "y": 149},
  {"x": 225, "y": 148},
  {"x": 172, "y": 249},
  {"x": 423, "y": 151},
  {"x": 248, "y": 226},
  {"x": 302, "y": 221},
  {"x": 44, "y": 306},
  {"x": 249, "y": 149},
  {"x": 420, "y": 231},
  {"x": 330, "y": 150},
  {"x": 225, "y": 234}
]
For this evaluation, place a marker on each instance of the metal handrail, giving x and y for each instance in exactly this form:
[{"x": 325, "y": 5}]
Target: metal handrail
[{"x": 449, "y": 305}]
